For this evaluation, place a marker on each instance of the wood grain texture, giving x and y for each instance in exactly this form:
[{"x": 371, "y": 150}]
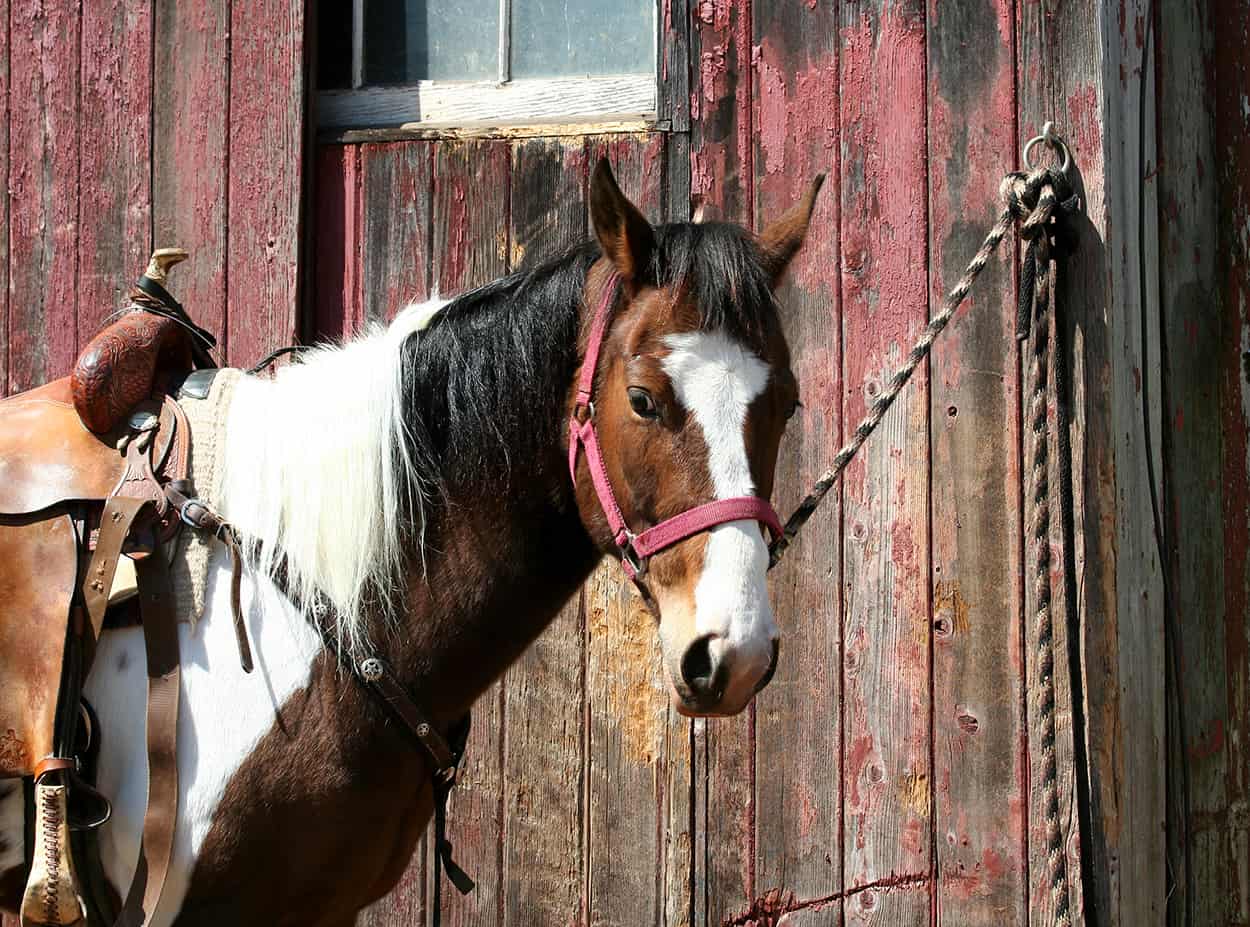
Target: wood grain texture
[
  {"x": 1143, "y": 886},
  {"x": 979, "y": 725},
  {"x": 720, "y": 108},
  {"x": 798, "y": 738},
  {"x": 1230, "y": 25},
  {"x": 190, "y": 149},
  {"x": 115, "y": 157},
  {"x": 1191, "y": 448},
  {"x": 886, "y": 769},
  {"x": 1053, "y": 69},
  {"x": 339, "y": 303},
  {"x": 43, "y": 190},
  {"x": 545, "y": 690},
  {"x": 673, "y": 99},
  {"x": 5, "y": 204},
  {"x": 721, "y": 180},
  {"x": 637, "y": 789},
  {"x": 397, "y": 220},
  {"x": 470, "y": 236},
  {"x": 519, "y": 102},
  {"x": 395, "y": 198},
  {"x": 266, "y": 175}
]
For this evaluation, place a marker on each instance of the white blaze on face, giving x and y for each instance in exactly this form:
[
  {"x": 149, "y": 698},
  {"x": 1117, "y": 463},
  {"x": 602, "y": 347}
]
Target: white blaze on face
[{"x": 715, "y": 378}]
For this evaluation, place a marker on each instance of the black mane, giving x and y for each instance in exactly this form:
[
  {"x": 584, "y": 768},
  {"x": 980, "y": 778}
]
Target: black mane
[{"x": 486, "y": 382}]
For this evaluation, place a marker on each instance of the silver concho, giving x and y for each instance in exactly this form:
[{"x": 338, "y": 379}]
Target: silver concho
[{"x": 371, "y": 669}]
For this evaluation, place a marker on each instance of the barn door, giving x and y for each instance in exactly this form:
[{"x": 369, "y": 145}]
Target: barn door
[{"x": 882, "y": 776}]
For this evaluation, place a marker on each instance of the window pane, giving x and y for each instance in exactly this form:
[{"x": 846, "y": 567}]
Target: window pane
[
  {"x": 411, "y": 40},
  {"x": 334, "y": 46},
  {"x": 570, "y": 38}
]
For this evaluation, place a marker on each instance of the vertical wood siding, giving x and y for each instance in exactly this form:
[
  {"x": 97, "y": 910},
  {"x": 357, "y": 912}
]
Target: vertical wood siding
[
  {"x": 889, "y": 774},
  {"x": 127, "y": 124}
]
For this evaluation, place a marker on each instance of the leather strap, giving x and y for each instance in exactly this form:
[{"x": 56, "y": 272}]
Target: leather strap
[
  {"x": 54, "y": 764},
  {"x": 160, "y": 635},
  {"x": 379, "y": 677},
  {"x": 115, "y": 523},
  {"x": 199, "y": 516}
]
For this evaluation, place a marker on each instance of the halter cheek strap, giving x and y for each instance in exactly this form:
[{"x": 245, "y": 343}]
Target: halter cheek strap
[{"x": 636, "y": 549}]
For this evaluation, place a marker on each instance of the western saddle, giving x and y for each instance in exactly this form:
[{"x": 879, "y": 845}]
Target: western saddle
[{"x": 93, "y": 492}]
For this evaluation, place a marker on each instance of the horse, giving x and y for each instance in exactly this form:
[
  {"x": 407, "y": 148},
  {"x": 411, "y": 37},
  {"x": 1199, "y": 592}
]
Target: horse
[{"x": 433, "y": 491}]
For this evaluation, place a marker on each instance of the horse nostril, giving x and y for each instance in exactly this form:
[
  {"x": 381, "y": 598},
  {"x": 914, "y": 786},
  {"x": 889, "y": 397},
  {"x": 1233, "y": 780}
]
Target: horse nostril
[
  {"x": 700, "y": 671},
  {"x": 772, "y": 668}
]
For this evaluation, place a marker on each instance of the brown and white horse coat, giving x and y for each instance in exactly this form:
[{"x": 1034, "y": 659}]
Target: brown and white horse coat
[{"x": 414, "y": 482}]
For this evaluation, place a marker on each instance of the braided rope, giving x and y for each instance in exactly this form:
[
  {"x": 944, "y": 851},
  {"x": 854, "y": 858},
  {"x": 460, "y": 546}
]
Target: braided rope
[
  {"x": 1039, "y": 530},
  {"x": 1032, "y": 201}
]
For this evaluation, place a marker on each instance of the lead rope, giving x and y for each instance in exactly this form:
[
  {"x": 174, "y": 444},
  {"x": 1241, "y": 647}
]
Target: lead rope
[
  {"x": 1037, "y": 201},
  {"x": 1036, "y": 289},
  {"x": 1019, "y": 192}
]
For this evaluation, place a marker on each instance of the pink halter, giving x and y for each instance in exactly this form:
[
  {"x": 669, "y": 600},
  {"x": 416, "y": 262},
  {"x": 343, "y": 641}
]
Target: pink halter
[{"x": 636, "y": 549}]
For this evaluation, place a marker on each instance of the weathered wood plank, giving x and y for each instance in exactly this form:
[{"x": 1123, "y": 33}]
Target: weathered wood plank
[
  {"x": 1037, "y": 80},
  {"x": 887, "y": 815},
  {"x": 798, "y": 738},
  {"x": 1230, "y": 88},
  {"x": 721, "y": 183},
  {"x": 673, "y": 102},
  {"x": 1081, "y": 65},
  {"x": 1139, "y": 593},
  {"x": 266, "y": 151},
  {"x": 450, "y": 103},
  {"x": 545, "y": 691},
  {"x": 470, "y": 220},
  {"x": 397, "y": 221},
  {"x": 1190, "y": 446},
  {"x": 339, "y": 301},
  {"x": 720, "y": 108},
  {"x": 43, "y": 190},
  {"x": 5, "y": 202},
  {"x": 634, "y": 741},
  {"x": 115, "y": 157},
  {"x": 395, "y": 200},
  {"x": 191, "y": 80},
  {"x": 979, "y": 726}
]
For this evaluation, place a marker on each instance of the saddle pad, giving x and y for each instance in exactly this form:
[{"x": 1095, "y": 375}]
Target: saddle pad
[{"x": 188, "y": 568}]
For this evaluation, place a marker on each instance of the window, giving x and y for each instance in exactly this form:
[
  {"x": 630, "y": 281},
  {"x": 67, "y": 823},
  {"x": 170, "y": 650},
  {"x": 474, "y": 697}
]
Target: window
[{"x": 426, "y": 63}]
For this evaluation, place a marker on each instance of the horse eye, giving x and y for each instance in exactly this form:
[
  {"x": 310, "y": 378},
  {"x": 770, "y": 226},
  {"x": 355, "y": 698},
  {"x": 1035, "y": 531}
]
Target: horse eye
[{"x": 642, "y": 403}]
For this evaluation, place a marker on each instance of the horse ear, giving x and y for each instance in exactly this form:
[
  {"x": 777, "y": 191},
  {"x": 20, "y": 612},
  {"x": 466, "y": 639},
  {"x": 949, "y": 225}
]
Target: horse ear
[
  {"x": 624, "y": 233},
  {"x": 782, "y": 240}
]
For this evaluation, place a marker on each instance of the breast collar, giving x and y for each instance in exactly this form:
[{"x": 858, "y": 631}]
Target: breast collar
[{"x": 637, "y": 549}]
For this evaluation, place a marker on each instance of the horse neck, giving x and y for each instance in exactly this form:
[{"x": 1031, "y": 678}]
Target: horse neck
[
  {"x": 503, "y": 552},
  {"x": 504, "y": 567}
]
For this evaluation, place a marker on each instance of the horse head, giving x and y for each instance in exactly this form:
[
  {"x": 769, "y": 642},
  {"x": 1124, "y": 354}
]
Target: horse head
[{"x": 684, "y": 394}]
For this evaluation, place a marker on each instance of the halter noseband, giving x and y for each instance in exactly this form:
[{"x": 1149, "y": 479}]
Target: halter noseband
[{"x": 637, "y": 549}]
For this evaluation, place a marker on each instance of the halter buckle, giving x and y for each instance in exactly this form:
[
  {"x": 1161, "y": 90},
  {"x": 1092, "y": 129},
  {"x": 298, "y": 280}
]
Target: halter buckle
[
  {"x": 635, "y": 563},
  {"x": 588, "y": 406}
]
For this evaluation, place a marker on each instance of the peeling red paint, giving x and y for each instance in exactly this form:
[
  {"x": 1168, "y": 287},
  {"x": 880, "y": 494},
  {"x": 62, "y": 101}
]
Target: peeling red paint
[
  {"x": 1085, "y": 121},
  {"x": 1211, "y": 744}
]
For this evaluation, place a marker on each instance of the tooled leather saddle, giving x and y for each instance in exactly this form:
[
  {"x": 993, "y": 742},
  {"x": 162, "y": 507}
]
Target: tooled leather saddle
[{"x": 93, "y": 486}]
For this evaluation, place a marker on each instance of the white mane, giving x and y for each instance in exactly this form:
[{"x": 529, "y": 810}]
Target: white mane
[{"x": 317, "y": 465}]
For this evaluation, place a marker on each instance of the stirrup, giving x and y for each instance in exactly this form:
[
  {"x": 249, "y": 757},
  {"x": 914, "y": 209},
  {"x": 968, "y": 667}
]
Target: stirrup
[{"x": 51, "y": 898}]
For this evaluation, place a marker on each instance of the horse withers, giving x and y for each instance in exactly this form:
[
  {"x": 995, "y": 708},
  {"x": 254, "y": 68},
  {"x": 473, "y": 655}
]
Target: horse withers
[{"x": 407, "y": 495}]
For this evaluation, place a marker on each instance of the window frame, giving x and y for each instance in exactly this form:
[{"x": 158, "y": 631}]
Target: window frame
[{"x": 502, "y": 103}]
